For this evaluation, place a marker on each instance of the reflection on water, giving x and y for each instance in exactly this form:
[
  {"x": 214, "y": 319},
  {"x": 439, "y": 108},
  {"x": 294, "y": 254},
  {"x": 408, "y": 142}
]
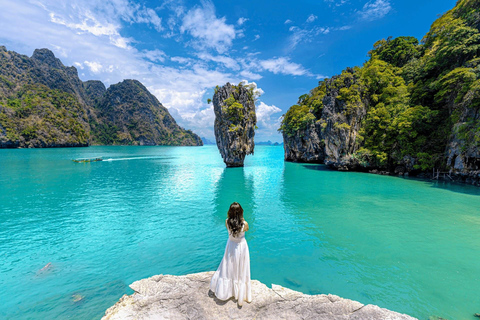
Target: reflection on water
[
  {"x": 404, "y": 244},
  {"x": 234, "y": 185}
]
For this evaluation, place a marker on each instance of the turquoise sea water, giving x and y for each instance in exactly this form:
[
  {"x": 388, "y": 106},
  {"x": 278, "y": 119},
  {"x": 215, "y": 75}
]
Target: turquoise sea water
[{"x": 407, "y": 245}]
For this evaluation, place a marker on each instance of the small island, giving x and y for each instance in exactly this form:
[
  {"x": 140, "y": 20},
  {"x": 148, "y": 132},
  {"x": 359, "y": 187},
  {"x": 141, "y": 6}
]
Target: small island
[{"x": 235, "y": 122}]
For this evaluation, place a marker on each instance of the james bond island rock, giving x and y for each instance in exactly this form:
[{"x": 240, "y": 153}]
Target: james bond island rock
[
  {"x": 235, "y": 122},
  {"x": 188, "y": 297},
  {"x": 413, "y": 108},
  {"x": 45, "y": 104}
]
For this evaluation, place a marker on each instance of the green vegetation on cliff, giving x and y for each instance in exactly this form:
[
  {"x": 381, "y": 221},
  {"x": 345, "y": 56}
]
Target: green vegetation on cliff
[
  {"x": 45, "y": 104},
  {"x": 39, "y": 117},
  {"x": 416, "y": 99}
]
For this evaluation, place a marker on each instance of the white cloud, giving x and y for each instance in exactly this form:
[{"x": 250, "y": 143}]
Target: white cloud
[
  {"x": 264, "y": 112},
  {"x": 87, "y": 23},
  {"x": 282, "y": 65},
  {"x": 78, "y": 65},
  {"x": 311, "y": 18},
  {"x": 149, "y": 16},
  {"x": 155, "y": 55},
  {"x": 250, "y": 75},
  {"x": 210, "y": 31},
  {"x": 95, "y": 67},
  {"x": 226, "y": 61},
  {"x": 182, "y": 60},
  {"x": 288, "y": 21},
  {"x": 267, "y": 125},
  {"x": 241, "y": 21},
  {"x": 253, "y": 85},
  {"x": 374, "y": 10},
  {"x": 257, "y": 36}
]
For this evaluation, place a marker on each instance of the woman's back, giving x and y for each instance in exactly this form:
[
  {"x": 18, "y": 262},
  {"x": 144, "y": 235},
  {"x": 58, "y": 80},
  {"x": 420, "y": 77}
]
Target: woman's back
[
  {"x": 240, "y": 235},
  {"x": 232, "y": 278}
]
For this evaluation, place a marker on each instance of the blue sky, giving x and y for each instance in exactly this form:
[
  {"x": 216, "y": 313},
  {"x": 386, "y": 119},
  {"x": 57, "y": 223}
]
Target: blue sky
[{"x": 180, "y": 50}]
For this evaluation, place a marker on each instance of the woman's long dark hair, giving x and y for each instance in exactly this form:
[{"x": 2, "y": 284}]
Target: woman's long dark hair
[{"x": 235, "y": 218}]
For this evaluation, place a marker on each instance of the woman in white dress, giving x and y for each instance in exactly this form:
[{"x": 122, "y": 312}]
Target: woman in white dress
[{"x": 232, "y": 278}]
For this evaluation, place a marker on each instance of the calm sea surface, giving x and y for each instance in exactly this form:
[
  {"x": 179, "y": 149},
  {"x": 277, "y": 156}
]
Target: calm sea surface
[{"x": 406, "y": 245}]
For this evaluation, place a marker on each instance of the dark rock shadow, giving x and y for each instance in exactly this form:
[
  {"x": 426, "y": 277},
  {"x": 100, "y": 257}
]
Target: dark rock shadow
[
  {"x": 221, "y": 302},
  {"x": 453, "y": 186},
  {"x": 317, "y": 167},
  {"x": 234, "y": 186}
]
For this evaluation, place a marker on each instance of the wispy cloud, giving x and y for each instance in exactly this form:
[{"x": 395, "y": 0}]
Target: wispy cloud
[
  {"x": 299, "y": 35},
  {"x": 155, "y": 55},
  {"x": 283, "y": 65},
  {"x": 336, "y": 3},
  {"x": 241, "y": 21},
  {"x": 311, "y": 18},
  {"x": 375, "y": 9},
  {"x": 228, "y": 62},
  {"x": 208, "y": 30}
]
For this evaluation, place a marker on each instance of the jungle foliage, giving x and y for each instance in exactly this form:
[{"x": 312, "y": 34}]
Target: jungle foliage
[{"x": 416, "y": 94}]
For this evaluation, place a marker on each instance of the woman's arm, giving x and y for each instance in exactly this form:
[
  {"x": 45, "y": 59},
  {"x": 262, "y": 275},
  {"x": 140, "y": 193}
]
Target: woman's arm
[{"x": 246, "y": 226}]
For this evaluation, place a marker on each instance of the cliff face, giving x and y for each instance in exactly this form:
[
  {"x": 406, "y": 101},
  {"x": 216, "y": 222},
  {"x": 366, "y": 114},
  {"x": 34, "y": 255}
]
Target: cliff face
[
  {"x": 330, "y": 134},
  {"x": 137, "y": 118},
  {"x": 235, "y": 121},
  {"x": 188, "y": 297},
  {"x": 44, "y": 104},
  {"x": 94, "y": 91},
  {"x": 305, "y": 145},
  {"x": 39, "y": 108},
  {"x": 411, "y": 109},
  {"x": 463, "y": 150}
]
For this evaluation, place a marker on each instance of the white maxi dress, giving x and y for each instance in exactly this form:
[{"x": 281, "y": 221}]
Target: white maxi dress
[{"x": 232, "y": 278}]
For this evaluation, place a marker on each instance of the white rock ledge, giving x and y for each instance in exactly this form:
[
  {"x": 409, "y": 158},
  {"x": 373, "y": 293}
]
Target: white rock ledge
[{"x": 188, "y": 297}]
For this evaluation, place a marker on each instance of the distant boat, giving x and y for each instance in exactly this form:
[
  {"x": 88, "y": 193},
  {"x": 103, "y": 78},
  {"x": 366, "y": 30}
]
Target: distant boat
[{"x": 87, "y": 160}]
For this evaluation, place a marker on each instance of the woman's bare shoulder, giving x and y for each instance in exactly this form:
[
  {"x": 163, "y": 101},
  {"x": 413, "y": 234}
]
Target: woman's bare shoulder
[{"x": 246, "y": 227}]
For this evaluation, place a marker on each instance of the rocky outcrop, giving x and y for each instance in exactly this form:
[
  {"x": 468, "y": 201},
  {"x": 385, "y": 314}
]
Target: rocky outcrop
[
  {"x": 138, "y": 118},
  {"x": 94, "y": 91},
  {"x": 235, "y": 122},
  {"x": 45, "y": 104},
  {"x": 305, "y": 145},
  {"x": 188, "y": 297},
  {"x": 331, "y": 139},
  {"x": 411, "y": 109},
  {"x": 50, "y": 71},
  {"x": 463, "y": 156}
]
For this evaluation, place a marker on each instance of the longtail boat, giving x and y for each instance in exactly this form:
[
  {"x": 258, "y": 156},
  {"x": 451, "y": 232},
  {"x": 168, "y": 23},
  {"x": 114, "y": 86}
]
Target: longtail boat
[{"x": 87, "y": 160}]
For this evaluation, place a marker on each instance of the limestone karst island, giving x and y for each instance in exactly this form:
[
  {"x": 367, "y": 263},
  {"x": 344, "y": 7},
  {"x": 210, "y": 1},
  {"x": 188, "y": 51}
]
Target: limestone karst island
[{"x": 256, "y": 160}]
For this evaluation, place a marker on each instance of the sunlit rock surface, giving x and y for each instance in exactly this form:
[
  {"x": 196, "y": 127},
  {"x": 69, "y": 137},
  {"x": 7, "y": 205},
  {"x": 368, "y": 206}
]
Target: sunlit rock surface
[{"x": 188, "y": 297}]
